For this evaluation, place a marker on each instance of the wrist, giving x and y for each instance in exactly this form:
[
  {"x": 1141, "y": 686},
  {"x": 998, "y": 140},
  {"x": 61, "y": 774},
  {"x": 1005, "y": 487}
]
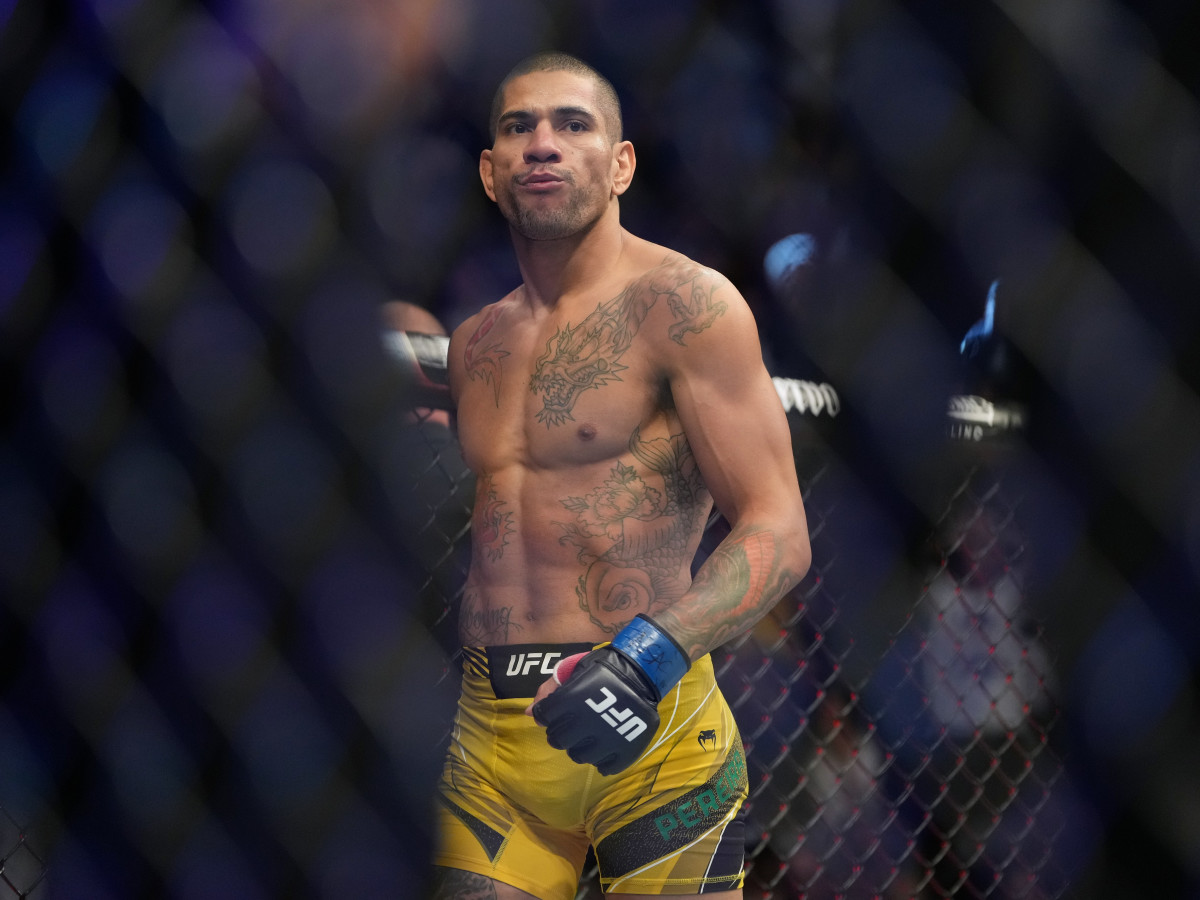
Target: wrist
[{"x": 654, "y": 651}]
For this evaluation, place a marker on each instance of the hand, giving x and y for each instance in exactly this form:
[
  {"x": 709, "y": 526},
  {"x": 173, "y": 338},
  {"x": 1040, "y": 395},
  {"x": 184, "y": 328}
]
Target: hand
[
  {"x": 605, "y": 714},
  {"x": 562, "y": 672},
  {"x": 606, "y": 711}
]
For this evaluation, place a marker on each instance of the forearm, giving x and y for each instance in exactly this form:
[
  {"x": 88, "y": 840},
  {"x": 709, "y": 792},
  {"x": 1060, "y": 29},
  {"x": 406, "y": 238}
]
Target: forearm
[{"x": 746, "y": 575}]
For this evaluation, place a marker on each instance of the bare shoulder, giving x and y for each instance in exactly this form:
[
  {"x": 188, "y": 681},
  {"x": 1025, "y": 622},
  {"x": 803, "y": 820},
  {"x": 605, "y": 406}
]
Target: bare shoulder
[
  {"x": 662, "y": 265},
  {"x": 692, "y": 301},
  {"x": 470, "y": 324},
  {"x": 475, "y": 344}
]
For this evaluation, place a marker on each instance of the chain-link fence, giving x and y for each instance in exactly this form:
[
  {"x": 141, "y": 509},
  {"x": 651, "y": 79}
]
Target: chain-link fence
[
  {"x": 904, "y": 760},
  {"x": 21, "y": 868},
  {"x": 225, "y": 553}
]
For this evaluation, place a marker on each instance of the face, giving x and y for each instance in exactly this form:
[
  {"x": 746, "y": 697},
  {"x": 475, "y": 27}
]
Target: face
[{"x": 553, "y": 170}]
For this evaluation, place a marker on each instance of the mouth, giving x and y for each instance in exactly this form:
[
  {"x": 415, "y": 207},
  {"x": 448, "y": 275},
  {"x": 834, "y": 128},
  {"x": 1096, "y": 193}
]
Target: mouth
[{"x": 540, "y": 181}]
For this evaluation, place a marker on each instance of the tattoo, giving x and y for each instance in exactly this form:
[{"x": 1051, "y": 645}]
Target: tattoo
[
  {"x": 491, "y": 523},
  {"x": 644, "y": 531},
  {"x": 696, "y": 313},
  {"x": 479, "y": 626},
  {"x": 588, "y": 356},
  {"x": 455, "y": 884},
  {"x": 735, "y": 582},
  {"x": 482, "y": 357}
]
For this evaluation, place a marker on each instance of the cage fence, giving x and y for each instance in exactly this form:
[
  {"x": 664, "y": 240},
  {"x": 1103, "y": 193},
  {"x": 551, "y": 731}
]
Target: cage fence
[
  {"x": 920, "y": 762},
  {"x": 182, "y": 489},
  {"x": 21, "y": 868}
]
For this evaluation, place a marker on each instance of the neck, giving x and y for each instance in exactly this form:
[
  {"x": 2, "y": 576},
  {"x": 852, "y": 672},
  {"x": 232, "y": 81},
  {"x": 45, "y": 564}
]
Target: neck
[{"x": 552, "y": 270}]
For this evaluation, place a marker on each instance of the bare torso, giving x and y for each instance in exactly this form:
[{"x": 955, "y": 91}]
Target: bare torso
[{"x": 589, "y": 505}]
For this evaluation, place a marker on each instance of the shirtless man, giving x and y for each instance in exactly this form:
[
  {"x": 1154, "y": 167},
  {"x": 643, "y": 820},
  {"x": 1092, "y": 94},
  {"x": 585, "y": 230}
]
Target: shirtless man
[{"x": 604, "y": 405}]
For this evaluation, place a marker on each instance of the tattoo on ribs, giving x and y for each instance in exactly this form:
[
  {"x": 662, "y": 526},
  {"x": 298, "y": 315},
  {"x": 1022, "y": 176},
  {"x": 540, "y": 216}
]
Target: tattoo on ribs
[
  {"x": 483, "y": 354},
  {"x": 633, "y": 537},
  {"x": 491, "y": 523},
  {"x": 588, "y": 356}
]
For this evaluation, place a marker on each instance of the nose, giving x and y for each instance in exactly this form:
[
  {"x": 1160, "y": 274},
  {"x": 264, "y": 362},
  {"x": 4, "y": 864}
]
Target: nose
[{"x": 542, "y": 146}]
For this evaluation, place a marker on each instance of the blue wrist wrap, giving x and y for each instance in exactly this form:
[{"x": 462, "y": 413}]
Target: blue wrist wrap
[{"x": 655, "y": 651}]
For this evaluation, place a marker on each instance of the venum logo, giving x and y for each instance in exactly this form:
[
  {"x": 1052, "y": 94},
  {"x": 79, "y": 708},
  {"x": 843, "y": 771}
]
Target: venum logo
[
  {"x": 623, "y": 720},
  {"x": 708, "y": 738},
  {"x": 524, "y": 663}
]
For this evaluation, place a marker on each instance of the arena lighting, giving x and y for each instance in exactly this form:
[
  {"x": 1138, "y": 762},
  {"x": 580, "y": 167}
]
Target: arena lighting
[{"x": 786, "y": 256}]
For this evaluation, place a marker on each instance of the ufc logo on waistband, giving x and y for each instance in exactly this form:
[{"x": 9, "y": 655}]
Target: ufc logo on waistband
[
  {"x": 623, "y": 720},
  {"x": 524, "y": 663}
]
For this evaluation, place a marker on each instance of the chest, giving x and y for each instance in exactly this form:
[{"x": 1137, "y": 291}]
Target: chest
[{"x": 557, "y": 396}]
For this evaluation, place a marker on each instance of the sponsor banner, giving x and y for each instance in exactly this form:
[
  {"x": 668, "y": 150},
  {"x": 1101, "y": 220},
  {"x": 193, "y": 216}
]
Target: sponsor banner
[
  {"x": 973, "y": 418},
  {"x": 807, "y": 398}
]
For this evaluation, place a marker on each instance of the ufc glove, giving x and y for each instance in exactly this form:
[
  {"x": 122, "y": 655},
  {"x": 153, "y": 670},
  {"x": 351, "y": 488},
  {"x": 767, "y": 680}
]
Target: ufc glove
[{"x": 606, "y": 711}]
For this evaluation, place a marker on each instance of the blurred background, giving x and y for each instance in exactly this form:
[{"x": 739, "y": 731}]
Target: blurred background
[{"x": 229, "y": 545}]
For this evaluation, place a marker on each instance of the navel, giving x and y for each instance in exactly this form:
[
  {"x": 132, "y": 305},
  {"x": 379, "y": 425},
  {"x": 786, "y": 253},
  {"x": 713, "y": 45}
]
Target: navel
[{"x": 587, "y": 431}]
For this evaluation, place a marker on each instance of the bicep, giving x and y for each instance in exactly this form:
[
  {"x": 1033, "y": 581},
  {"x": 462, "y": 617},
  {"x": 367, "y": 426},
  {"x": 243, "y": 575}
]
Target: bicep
[{"x": 733, "y": 419}]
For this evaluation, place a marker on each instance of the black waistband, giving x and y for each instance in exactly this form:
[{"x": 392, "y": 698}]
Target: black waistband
[{"x": 518, "y": 670}]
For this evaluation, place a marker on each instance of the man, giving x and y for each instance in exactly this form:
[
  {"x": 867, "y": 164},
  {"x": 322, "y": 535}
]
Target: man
[
  {"x": 430, "y": 487},
  {"x": 604, "y": 405}
]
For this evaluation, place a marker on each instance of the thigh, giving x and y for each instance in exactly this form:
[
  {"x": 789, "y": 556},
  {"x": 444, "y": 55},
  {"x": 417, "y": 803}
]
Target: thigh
[
  {"x": 477, "y": 834},
  {"x": 673, "y": 824},
  {"x": 455, "y": 884},
  {"x": 504, "y": 800}
]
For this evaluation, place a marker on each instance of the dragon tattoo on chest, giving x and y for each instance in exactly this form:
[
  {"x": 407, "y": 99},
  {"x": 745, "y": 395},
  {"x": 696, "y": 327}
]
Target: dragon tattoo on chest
[{"x": 587, "y": 356}]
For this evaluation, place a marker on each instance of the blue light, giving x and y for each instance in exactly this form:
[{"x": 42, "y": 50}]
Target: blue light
[{"x": 787, "y": 255}]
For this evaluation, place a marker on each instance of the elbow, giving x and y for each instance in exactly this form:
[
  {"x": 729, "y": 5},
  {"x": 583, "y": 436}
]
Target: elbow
[{"x": 797, "y": 549}]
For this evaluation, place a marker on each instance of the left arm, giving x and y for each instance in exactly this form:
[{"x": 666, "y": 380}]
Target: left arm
[
  {"x": 739, "y": 435},
  {"x": 606, "y": 712}
]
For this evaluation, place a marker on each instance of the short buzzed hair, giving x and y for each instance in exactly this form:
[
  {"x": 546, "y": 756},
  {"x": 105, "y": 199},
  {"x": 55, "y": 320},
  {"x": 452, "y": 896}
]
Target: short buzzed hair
[{"x": 555, "y": 61}]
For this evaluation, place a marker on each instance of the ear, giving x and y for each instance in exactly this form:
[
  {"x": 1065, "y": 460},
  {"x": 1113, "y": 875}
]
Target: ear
[
  {"x": 485, "y": 173},
  {"x": 624, "y": 162}
]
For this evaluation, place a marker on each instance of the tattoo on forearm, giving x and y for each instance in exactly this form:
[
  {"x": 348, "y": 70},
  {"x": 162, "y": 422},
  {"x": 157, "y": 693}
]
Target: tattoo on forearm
[
  {"x": 633, "y": 532},
  {"x": 587, "y": 356},
  {"x": 491, "y": 522},
  {"x": 480, "y": 626},
  {"x": 741, "y": 577},
  {"x": 483, "y": 354}
]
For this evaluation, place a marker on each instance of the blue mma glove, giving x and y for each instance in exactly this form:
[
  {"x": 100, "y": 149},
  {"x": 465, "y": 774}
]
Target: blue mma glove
[{"x": 606, "y": 711}]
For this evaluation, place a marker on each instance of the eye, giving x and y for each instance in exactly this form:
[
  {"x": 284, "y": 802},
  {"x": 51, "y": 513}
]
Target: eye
[{"x": 576, "y": 126}]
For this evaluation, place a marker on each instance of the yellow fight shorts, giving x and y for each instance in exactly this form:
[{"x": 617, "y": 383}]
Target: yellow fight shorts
[{"x": 515, "y": 809}]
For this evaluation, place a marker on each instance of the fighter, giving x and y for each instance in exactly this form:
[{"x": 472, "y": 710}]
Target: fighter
[{"x": 605, "y": 405}]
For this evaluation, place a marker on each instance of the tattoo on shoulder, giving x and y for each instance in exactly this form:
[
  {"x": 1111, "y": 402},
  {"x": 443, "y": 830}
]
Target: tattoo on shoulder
[
  {"x": 691, "y": 302},
  {"x": 483, "y": 354}
]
